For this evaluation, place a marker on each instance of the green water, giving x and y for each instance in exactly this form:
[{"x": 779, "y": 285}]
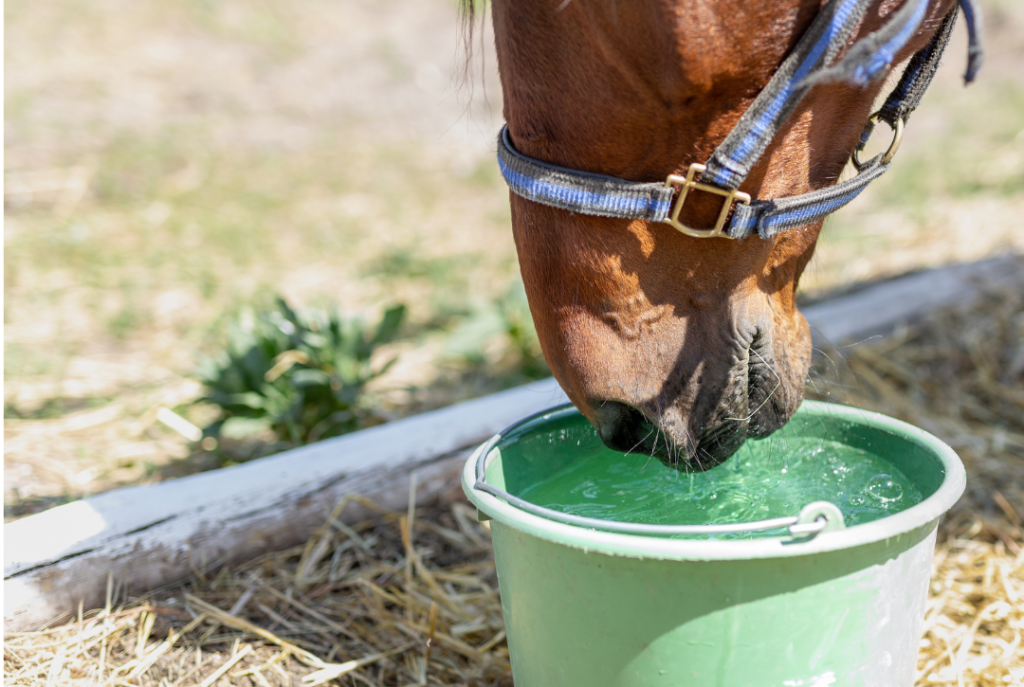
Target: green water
[{"x": 767, "y": 478}]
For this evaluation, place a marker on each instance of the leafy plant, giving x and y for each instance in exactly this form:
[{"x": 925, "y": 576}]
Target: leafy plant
[{"x": 301, "y": 375}]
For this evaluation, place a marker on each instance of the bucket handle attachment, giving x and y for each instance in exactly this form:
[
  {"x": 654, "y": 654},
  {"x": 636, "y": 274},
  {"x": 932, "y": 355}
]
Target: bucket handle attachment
[
  {"x": 818, "y": 516},
  {"x": 814, "y": 518}
]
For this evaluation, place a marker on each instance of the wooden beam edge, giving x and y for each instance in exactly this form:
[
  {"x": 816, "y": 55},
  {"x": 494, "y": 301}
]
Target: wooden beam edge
[{"x": 153, "y": 535}]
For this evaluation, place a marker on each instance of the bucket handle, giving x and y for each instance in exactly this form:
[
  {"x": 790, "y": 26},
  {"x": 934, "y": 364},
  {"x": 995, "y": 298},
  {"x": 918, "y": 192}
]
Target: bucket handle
[{"x": 814, "y": 518}]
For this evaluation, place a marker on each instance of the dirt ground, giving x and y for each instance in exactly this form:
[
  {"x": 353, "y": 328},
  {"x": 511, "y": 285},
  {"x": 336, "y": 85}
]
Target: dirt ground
[{"x": 169, "y": 163}]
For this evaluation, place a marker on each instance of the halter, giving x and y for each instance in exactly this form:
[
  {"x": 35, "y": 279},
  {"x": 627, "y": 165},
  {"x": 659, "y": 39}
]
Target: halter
[{"x": 810, "y": 63}]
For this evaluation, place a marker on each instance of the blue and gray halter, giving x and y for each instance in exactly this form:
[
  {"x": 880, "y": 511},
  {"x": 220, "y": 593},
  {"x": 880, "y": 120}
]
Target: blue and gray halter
[{"x": 810, "y": 63}]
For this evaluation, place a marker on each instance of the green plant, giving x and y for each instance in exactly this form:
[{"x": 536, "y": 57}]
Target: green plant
[{"x": 301, "y": 375}]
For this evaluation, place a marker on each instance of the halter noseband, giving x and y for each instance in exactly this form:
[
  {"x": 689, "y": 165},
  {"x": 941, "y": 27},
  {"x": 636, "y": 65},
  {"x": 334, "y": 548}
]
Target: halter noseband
[{"x": 810, "y": 63}]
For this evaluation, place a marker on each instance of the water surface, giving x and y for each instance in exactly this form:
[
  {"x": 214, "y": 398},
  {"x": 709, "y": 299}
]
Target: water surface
[{"x": 766, "y": 478}]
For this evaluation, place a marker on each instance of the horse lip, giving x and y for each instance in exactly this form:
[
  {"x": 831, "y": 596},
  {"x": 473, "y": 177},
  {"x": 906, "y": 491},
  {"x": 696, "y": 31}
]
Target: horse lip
[{"x": 725, "y": 427}]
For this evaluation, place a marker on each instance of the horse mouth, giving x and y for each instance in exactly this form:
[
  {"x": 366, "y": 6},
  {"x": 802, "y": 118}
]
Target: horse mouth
[
  {"x": 636, "y": 434},
  {"x": 712, "y": 428}
]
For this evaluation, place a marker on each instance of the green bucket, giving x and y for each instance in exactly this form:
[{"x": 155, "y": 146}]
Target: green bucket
[{"x": 821, "y": 605}]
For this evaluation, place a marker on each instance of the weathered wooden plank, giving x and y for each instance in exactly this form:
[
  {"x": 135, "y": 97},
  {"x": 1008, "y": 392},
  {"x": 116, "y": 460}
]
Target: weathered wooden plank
[
  {"x": 150, "y": 536},
  {"x": 879, "y": 308}
]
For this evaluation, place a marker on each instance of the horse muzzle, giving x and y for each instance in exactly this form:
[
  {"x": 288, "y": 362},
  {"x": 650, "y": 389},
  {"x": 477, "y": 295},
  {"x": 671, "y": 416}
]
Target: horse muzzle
[{"x": 704, "y": 416}]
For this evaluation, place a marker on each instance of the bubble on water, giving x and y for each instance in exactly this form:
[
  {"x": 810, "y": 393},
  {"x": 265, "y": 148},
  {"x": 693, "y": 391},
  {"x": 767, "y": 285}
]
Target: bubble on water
[
  {"x": 884, "y": 488},
  {"x": 836, "y": 473},
  {"x": 856, "y": 500}
]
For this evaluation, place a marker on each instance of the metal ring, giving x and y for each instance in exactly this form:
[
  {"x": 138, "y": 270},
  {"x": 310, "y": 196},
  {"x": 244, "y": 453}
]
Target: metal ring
[{"x": 897, "y": 138}]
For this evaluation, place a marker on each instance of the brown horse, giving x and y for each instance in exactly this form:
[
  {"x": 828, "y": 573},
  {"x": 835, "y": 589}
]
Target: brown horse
[{"x": 678, "y": 346}]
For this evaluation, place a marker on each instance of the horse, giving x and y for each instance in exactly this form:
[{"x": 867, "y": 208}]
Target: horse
[{"x": 673, "y": 325}]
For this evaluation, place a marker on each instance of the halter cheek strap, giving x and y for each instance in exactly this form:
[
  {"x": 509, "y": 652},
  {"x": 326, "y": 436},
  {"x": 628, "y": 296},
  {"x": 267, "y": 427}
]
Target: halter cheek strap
[{"x": 810, "y": 63}]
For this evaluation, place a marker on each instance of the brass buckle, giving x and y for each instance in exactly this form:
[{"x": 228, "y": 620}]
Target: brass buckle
[
  {"x": 897, "y": 138},
  {"x": 685, "y": 184}
]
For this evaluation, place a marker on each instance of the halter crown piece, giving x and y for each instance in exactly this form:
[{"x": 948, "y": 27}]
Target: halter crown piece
[{"x": 812, "y": 61}]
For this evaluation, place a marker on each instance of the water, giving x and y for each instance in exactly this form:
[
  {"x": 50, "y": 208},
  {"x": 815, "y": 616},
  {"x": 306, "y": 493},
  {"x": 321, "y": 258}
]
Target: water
[{"x": 768, "y": 478}]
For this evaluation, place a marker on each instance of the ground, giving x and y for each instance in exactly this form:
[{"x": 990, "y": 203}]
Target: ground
[{"x": 170, "y": 163}]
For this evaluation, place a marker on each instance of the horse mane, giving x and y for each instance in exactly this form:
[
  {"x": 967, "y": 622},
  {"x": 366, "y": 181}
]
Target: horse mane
[
  {"x": 471, "y": 13},
  {"x": 468, "y": 17}
]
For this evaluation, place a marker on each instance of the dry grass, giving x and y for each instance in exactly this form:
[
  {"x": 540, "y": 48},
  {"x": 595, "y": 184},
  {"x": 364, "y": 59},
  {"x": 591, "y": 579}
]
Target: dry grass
[
  {"x": 411, "y": 598},
  {"x": 959, "y": 374},
  {"x": 975, "y": 612},
  {"x": 413, "y": 601},
  {"x": 399, "y": 599}
]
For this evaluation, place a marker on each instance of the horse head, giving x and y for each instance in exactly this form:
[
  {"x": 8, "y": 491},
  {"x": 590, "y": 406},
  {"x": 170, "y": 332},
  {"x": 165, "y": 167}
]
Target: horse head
[{"x": 671, "y": 344}]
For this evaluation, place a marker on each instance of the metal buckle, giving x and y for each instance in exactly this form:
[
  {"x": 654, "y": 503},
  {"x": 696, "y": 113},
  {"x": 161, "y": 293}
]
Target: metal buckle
[
  {"x": 897, "y": 137},
  {"x": 685, "y": 184}
]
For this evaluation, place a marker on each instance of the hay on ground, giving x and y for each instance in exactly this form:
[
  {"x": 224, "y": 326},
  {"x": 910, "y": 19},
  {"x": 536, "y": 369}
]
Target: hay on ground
[{"x": 398, "y": 599}]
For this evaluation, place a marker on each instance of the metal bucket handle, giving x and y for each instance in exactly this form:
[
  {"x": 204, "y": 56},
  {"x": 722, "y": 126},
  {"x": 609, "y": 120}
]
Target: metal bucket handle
[{"x": 814, "y": 518}]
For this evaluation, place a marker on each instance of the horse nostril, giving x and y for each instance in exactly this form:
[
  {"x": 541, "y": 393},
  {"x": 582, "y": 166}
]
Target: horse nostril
[{"x": 621, "y": 426}]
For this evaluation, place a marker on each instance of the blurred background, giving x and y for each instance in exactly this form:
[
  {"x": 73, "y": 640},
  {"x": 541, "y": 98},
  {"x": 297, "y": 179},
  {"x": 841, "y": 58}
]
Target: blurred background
[{"x": 234, "y": 227}]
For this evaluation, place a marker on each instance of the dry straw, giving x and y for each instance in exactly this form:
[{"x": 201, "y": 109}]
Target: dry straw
[
  {"x": 411, "y": 598},
  {"x": 398, "y": 599}
]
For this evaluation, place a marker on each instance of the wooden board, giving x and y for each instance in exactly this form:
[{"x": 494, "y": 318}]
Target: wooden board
[
  {"x": 150, "y": 536},
  {"x": 877, "y": 309},
  {"x": 153, "y": 535}
]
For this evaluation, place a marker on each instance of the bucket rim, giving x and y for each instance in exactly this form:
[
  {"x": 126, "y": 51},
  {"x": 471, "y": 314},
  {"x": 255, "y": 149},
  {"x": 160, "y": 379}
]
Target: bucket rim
[{"x": 922, "y": 515}]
